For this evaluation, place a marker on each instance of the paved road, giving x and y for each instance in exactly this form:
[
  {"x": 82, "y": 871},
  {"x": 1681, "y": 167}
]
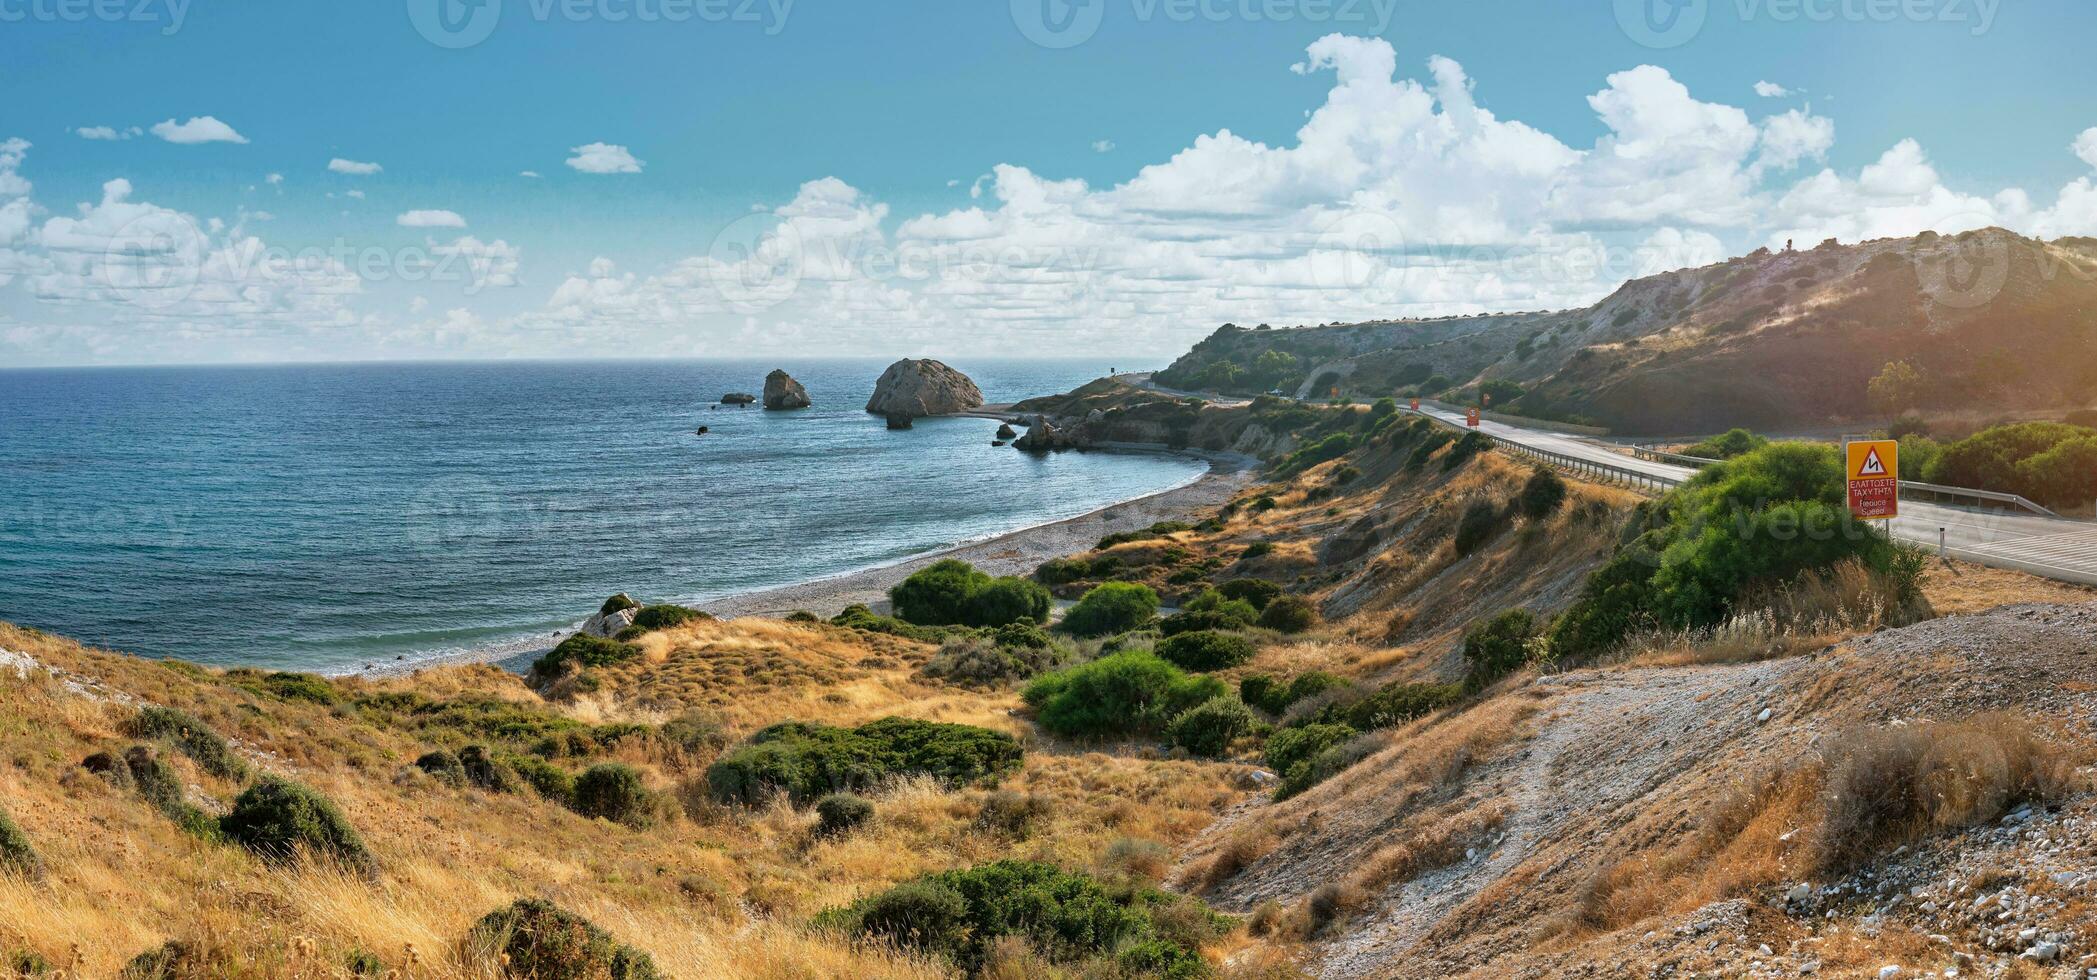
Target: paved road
[{"x": 2053, "y": 547}]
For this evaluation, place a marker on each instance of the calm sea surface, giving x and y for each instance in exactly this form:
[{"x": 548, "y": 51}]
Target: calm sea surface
[{"x": 323, "y": 517}]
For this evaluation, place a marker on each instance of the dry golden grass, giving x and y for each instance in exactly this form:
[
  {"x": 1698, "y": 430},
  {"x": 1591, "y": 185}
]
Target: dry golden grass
[
  {"x": 1956, "y": 588},
  {"x": 721, "y": 893},
  {"x": 1866, "y": 792}
]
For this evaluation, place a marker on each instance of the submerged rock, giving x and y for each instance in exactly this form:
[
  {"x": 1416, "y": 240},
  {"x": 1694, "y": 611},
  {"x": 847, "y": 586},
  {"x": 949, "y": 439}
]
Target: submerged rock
[
  {"x": 899, "y": 421},
  {"x": 918, "y": 387},
  {"x": 782, "y": 392}
]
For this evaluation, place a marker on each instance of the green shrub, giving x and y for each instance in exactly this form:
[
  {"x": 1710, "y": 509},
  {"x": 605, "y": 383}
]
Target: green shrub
[
  {"x": 17, "y": 857},
  {"x": 1735, "y": 442},
  {"x": 301, "y": 687},
  {"x": 1289, "y": 614},
  {"x": 545, "y": 778},
  {"x": 278, "y": 820},
  {"x": 1112, "y": 607},
  {"x": 1480, "y": 521},
  {"x": 534, "y": 939},
  {"x": 1007, "y": 657},
  {"x": 1257, "y": 592},
  {"x": 1067, "y": 917},
  {"x": 1542, "y": 494},
  {"x": 157, "y": 784},
  {"x": 938, "y": 594},
  {"x": 1737, "y": 529},
  {"x": 1272, "y": 696},
  {"x": 1057, "y": 571},
  {"x": 1005, "y": 601},
  {"x": 1127, "y": 693},
  {"x": 444, "y": 766},
  {"x": 481, "y": 769},
  {"x": 1204, "y": 650},
  {"x": 662, "y": 617},
  {"x": 1331, "y": 447},
  {"x": 1189, "y": 622},
  {"x": 614, "y": 791},
  {"x": 803, "y": 616},
  {"x": 617, "y": 603},
  {"x": 194, "y": 738},
  {"x": 1289, "y": 748},
  {"x": 1214, "y": 601},
  {"x": 840, "y": 813},
  {"x": 1467, "y": 445},
  {"x": 859, "y": 617},
  {"x": 1209, "y": 728},
  {"x": 806, "y": 760},
  {"x": 1264, "y": 502},
  {"x": 1395, "y": 704},
  {"x": 1991, "y": 459},
  {"x": 584, "y": 650},
  {"x": 1257, "y": 549},
  {"x": 363, "y": 963},
  {"x": 2064, "y": 476},
  {"x": 1498, "y": 647}
]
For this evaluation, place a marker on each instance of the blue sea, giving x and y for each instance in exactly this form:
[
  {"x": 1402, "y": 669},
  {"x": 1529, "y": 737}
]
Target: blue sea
[{"x": 323, "y": 517}]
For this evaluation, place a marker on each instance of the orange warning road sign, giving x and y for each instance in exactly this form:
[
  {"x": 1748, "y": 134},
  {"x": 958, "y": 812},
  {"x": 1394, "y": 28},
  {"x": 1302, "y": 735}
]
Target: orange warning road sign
[
  {"x": 1471, "y": 418},
  {"x": 1873, "y": 468},
  {"x": 1416, "y": 404}
]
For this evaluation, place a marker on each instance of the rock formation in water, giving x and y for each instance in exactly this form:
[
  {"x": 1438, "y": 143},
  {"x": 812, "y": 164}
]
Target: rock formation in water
[
  {"x": 1006, "y": 431},
  {"x": 912, "y": 388},
  {"x": 738, "y": 398},
  {"x": 898, "y": 421},
  {"x": 783, "y": 392}
]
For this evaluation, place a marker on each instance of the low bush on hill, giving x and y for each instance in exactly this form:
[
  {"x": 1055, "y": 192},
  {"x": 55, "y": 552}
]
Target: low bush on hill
[
  {"x": 583, "y": 650},
  {"x": 1542, "y": 494},
  {"x": 842, "y": 813},
  {"x": 662, "y": 617},
  {"x": 1058, "y": 571},
  {"x": 533, "y": 939},
  {"x": 1011, "y": 814},
  {"x": 1006, "y": 656},
  {"x": 193, "y": 737},
  {"x": 483, "y": 770},
  {"x": 1481, "y": 520},
  {"x": 1158, "y": 530},
  {"x": 1255, "y": 550},
  {"x": 1205, "y": 650},
  {"x": 1253, "y": 591},
  {"x": 1735, "y": 442},
  {"x": 1331, "y": 447},
  {"x": 1289, "y": 614},
  {"x": 2043, "y": 461},
  {"x": 1129, "y": 693},
  {"x": 1499, "y": 646},
  {"x": 1736, "y": 530},
  {"x": 805, "y": 760},
  {"x": 1467, "y": 446},
  {"x": 1293, "y": 752},
  {"x": 1112, "y": 607},
  {"x": 617, "y": 603},
  {"x": 545, "y": 778},
  {"x": 443, "y": 766},
  {"x": 1209, "y": 728},
  {"x": 1189, "y": 622},
  {"x": 158, "y": 785},
  {"x": 954, "y": 593},
  {"x": 17, "y": 857},
  {"x": 1274, "y": 697},
  {"x": 279, "y": 820},
  {"x": 1066, "y": 917},
  {"x": 1395, "y": 704},
  {"x": 859, "y": 617},
  {"x": 1214, "y": 601},
  {"x": 285, "y": 686},
  {"x": 614, "y": 791}
]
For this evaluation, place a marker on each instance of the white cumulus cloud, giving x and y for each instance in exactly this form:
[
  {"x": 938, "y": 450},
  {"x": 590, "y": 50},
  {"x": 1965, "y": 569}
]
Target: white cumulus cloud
[
  {"x": 604, "y": 158},
  {"x": 199, "y": 129},
  {"x": 1771, "y": 90},
  {"x": 354, "y": 168},
  {"x": 431, "y": 219}
]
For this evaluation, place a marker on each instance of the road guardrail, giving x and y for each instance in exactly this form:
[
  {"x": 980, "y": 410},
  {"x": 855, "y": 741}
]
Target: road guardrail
[{"x": 1955, "y": 494}]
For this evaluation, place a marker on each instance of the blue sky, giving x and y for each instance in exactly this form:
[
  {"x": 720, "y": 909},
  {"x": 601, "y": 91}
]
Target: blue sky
[{"x": 844, "y": 123}]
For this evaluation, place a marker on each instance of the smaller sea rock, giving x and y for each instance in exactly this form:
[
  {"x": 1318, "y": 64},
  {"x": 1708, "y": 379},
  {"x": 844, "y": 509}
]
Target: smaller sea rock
[
  {"x": 738, "y": 398},
  {"x": 1006, "y": 431},
  {"x": 898, "y": 421}
]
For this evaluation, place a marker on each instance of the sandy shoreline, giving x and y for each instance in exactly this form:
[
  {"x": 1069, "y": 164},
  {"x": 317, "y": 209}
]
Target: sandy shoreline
[{"x": 1013, "y": 553}]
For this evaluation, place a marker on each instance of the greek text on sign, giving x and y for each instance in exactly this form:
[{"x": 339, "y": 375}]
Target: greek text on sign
[
  {"x": 1471, "y": 418},
  {"x": 1874, "y": 479}
]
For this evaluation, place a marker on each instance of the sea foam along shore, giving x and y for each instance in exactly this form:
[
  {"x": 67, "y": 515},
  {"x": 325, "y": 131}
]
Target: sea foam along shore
[{"x": 1012, "y": 553}]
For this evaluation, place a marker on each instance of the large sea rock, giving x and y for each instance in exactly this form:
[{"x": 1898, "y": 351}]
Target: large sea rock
[
  {"x": 783, "y": 392},
  {"x": 912, "y": 388}
]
